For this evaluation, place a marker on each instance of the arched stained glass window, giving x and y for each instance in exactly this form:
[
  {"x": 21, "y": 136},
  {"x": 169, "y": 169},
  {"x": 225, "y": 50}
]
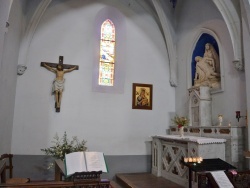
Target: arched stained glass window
[{"x": 107, "y": 54}]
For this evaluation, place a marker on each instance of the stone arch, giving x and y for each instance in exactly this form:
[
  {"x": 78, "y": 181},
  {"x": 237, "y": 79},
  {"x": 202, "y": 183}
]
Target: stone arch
[
  {"x": 29, "y": 33},
  {"x": 170, "y": 42},
  {"x": 233, "y": 22},
  {"x": 196, "y": 37}
]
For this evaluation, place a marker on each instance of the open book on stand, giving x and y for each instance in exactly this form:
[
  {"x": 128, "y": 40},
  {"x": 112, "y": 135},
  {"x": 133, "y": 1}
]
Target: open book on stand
[{"x": 84, "y": 162}]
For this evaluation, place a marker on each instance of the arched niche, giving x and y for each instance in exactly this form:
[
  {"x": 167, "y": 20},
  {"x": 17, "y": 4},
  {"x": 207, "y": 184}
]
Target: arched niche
[{"x": 202, "y": 37}]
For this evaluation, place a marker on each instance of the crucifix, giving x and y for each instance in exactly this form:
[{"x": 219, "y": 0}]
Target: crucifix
[{"x": 58, "y": 84}]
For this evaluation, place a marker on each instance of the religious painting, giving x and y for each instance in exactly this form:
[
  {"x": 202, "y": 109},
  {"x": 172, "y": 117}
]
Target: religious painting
[{"x": 142, "y": 96}]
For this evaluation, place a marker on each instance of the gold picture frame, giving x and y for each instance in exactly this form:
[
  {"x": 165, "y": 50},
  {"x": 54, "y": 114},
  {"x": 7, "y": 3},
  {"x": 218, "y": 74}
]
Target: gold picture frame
[{"x": 142, "y": 96}]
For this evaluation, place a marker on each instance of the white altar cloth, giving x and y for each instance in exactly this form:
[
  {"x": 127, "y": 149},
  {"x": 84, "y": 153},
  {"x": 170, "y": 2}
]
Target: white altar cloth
[{"x": 199, "y": 140}]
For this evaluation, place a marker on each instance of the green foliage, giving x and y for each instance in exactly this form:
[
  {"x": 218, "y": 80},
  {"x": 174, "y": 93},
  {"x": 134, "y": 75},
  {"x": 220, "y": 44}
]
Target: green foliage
[{"x": 62, "y": 146}]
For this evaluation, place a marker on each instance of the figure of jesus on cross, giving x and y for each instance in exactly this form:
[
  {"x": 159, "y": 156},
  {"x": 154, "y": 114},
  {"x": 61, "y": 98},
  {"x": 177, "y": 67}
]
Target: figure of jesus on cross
[{"x": 58, "y": 84}]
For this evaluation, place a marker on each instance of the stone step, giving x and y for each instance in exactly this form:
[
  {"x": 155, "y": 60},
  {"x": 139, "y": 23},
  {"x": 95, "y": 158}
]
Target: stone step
[{"x": 144, "y": 180}]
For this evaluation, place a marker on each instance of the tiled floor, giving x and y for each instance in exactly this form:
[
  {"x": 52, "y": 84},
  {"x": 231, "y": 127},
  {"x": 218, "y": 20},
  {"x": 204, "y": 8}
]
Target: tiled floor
[{"x": 144, "y": 180}]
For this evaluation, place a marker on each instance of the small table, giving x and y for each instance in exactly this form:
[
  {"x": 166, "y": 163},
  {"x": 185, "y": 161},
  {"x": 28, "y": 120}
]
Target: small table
[{"x": 207, "y": 165}]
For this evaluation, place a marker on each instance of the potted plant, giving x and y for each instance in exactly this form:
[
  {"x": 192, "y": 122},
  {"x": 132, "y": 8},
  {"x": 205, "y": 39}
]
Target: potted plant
[{"x": 62, "y": 146}]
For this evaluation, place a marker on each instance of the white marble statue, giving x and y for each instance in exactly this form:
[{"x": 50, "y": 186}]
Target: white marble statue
[
  {"x": 220, "y": 119},
  {"x": 207, "y": 68}
]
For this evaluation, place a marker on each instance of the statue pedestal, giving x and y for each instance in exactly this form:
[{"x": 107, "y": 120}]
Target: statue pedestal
[{"x": 200, "y": 109}]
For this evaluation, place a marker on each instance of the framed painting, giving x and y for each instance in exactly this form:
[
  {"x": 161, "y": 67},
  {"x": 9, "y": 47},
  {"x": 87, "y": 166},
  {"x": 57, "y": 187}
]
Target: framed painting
[{"x": 142, "y": 96}]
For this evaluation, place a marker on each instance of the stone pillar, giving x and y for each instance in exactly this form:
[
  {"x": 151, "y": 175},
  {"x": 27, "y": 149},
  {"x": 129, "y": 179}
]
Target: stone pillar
[
  {"x": 205, "y": 107},
  {"x": 200, "y": 109}
]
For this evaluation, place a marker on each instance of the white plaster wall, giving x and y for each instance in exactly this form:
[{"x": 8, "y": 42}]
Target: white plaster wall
[
  {"x": 9, "y": 47},
  {"x": 106, "y": 121},
  {"x": 193, "y": 16}
]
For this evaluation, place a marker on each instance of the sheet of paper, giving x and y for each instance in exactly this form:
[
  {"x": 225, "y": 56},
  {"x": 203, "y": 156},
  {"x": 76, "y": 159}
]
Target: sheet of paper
[
  {"x": 95, "y": 161},
  {"x": 221, "y": 179},
  {"x": 75, "y": 162}
]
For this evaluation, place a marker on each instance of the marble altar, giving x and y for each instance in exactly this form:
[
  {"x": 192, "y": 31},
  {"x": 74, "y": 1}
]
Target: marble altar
[
  {"x": 234, "y": 136},
  {"x": 200, "y": 115},
  {"x": 168, "y": 152}
]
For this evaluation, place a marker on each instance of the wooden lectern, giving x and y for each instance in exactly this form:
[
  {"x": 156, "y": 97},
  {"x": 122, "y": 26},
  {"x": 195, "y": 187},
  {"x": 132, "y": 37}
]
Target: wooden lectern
[{"x": 87, "y": 179}]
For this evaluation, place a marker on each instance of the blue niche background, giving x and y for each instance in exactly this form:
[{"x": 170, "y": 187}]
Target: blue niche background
[{"x": 199, "y": 50}]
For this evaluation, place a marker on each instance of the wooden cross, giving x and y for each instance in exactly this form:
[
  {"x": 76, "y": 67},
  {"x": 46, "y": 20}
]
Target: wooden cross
[
  {"x": 58, "y": 84},
  {"x": 65, "y": 66}
]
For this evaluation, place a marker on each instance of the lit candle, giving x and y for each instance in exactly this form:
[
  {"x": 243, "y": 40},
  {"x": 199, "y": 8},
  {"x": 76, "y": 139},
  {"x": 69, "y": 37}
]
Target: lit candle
[
  {"x": 194, "y": 159},
  {"x": 201, "y": 159},
  {"x": 198, "y": 160},
  {"x": 190, "y": 160},
  {"x": 185, "y": 159}
]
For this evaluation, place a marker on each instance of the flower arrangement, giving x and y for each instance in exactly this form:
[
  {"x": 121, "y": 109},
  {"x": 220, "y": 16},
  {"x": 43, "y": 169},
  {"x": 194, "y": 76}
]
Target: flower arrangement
[
  {"x": 180, "y": 121},
  {"x": 63, "y": 146}
]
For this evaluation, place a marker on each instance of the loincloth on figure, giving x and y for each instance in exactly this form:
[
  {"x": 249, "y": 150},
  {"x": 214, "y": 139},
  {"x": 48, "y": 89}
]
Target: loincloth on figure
[{"x": 58, "y": 85}]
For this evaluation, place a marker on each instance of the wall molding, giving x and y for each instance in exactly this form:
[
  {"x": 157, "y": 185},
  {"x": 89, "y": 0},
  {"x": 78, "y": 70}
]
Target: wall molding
[
  {"x": 233, "y": 22},
  {"x": 29, "y": 33},
  {"x": 170, "y": 43}
]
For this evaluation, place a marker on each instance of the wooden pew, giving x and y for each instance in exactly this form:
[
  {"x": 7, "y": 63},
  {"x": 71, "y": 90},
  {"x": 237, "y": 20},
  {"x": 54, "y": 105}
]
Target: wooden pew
[
  {"x": 3, "y": 171},
  {"x": 41, "y": 184},
  {"x": 57, "y": 183},
  {"x": 239, "y": 180}
]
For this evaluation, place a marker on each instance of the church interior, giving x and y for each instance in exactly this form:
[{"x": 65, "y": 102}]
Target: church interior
[{"x": 66, "y": 65}]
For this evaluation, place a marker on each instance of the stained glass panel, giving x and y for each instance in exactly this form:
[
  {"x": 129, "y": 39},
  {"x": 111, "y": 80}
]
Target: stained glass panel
[{"x": 107, "y": 54}]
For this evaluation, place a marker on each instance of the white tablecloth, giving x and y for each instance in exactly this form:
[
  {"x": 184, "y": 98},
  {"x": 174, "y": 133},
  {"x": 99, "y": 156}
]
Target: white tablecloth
[{"x": 199, "y": 140}]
